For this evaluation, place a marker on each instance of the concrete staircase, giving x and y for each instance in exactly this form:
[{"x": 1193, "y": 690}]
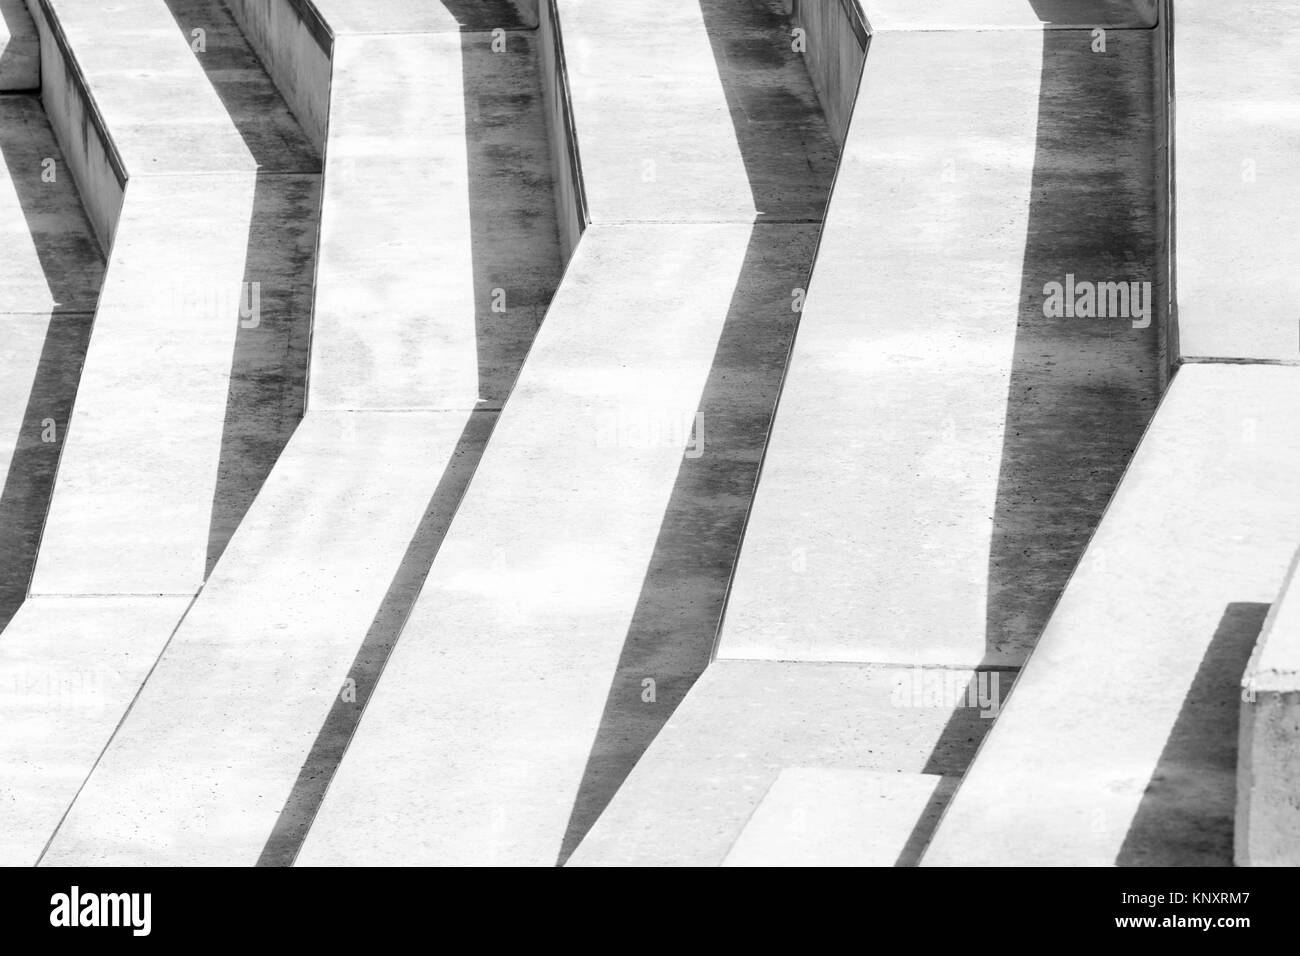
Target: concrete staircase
[{"x": 343, "y": 555}]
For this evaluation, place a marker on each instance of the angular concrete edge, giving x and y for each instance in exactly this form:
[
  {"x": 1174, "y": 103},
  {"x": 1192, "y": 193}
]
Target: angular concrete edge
[
  {"x": 96, "y": 164},
  {"x": 1267, "y": 831},
  {"x": 570, "y": 189},
  {"x": 296, "y": 47},
  {"x": 837, "y": 37}
]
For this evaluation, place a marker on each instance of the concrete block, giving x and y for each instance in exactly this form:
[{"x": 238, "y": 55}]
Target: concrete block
[
  {"x": 1267, "y": 829},
  {"x": 1237, "y": 194},
  {"x": 1119, "y": 744},
  {"x": 936, "y": 514}
]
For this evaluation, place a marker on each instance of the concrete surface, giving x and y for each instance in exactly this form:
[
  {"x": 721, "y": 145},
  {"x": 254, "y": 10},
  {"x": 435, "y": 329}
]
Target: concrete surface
[
  {"x": 69, "y": 668},
  {"x": 700, "y": 788},
  {"x": 1267, "y": 831},
  {"x": 181, "y": 403},
  {"x": 20, "y": 48},
  {"x": 49, "y": 283},
  {"x": 942, "y": 449},
  {"x": 566, "y": 591},
  {"x": 88, "y": 149},
  {"x": 467, "y": 185},
  {"x": 814, "y": 817},
  {"x": 706, "y": 114},
  {"x": 1119, "y": 744},
  {"x": 300, "y": 612},
  {"x": 209, "y": 755},
  {"x": 141, "y": 523},
  {"x": 1237, "y": 199},
  {"x": 295, "y": 49}
]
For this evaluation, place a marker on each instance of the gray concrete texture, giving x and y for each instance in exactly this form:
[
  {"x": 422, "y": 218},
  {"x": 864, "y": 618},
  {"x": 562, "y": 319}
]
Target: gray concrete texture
[{"x": 657, "y": 580}]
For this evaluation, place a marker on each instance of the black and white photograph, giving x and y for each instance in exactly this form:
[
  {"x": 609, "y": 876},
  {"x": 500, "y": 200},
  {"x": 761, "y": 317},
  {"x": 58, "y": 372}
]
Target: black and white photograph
[{"x": 650, "y": 433}]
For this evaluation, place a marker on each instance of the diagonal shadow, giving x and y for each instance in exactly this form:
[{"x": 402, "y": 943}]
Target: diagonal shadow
[
  {"x": 1186, "y": 816},
  {"x": 515, "y": 248},
  {"x": 266, "y": 397},
  {"x": 790, "y": 160},
  {"x": 72, "y": 267},
  {"x": 1082, "y": 390}
]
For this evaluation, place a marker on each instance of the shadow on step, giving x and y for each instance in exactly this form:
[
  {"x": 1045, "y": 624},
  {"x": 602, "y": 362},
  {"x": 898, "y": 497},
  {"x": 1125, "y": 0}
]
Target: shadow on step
[
  {"x": 272, "y": 307},
  {"x": 1186, "y": 816},
  {"x": 790, "y": 160},
  {"x": 515, "y": 252},
  {"x": 69, "y": 261},
  {"x": 1082, "y": 390}
]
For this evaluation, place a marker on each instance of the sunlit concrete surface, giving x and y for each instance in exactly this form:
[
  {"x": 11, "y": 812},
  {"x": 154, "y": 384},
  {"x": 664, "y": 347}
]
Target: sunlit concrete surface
[
  {"x": 942, "y": 448},
  {"x": 691, "y": 798},
  {"x": 437, "y": 192},
  {"x": 1119, "y": 743},
  {"x": 1237, "y": 196},
  {"x": 707, "y": 167},
  {"x": 178, "y": 406},
  {"x": 69, "y": 668},
  {"x": 50, "y": 273}
]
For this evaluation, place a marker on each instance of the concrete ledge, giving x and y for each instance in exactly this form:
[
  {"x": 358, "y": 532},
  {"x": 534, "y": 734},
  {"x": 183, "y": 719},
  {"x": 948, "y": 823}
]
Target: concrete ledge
[
  {"x": 295, "y": 44},
  {"x": 1118, "y": 745},
  {"x": 570, "y": 189},
  {"x": 79, "y": 126},
  {"x": 1268, "y": 753},
  {"x": 837, "y": 40},
  {"x": 20, "y": 49},
  {"x": 1237, "y": 132}
]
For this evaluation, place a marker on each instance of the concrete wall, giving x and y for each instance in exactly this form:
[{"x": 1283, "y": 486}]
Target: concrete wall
[
  {"x": 96, "y": 167},
  {"x": 295, "y": 45},
  {"x": 570, "y": 193},
  {"x": 836, "y": 52}
]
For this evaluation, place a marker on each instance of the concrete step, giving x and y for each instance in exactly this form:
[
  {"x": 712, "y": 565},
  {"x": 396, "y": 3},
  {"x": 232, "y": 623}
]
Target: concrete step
[
  {"x": 943, "y": 448},
  {"x": 193, "y": 171},
  {"x": 1119, "y": 745},
  {"x": 215, "y": 382},
  {"x": 771, "y": 763},
  {"x": 297, "y": 619},
  {"x": 49, "y": 284},
  {"x": 638, "y": 420},
  {"x": 241, "y": 705},
  {"x": 69, "y": 668},
  {"x": 814, "y": 817},
  {"x": 20, "y": 48},
  {"x": 1237, "y": 195}
]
